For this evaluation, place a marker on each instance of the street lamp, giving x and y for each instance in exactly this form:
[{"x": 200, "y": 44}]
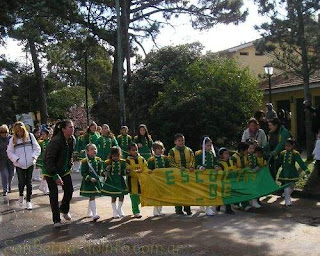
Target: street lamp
[{"x": 268, "y": 69}]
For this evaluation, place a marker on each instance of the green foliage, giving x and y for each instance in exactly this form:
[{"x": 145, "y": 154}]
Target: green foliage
[
  {"x": 60, "y": 101},
  {"x": 214, "y": 97},
  {"x": 292, "y": 34},
  {"x": 155, "y": 73}
]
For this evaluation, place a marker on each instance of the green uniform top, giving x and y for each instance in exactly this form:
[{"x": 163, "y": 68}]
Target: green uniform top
[
  {"x": 78, "y": 146},
  {"x": 288, "y": 160},
  {"x": 156, "y": 162},
  {"x": 96, "y": 163},
  {"x": 282, "y": 136},
  {"x": 181, "y": 157},
  {"x": 252, "y": 161},
  {"x": 210, "y": 161},
  {"x": 89, "y": 188},
  {"x": 240, "y": 161},
  {"x": 124, "y": 141},
  {"x": 145, "y": 150},
  {"x": 104, "y": 145},
  {"x": 43, "y": 144},
  {"x": 116, "y": 167},
  {"x": 92, "y": 137}
]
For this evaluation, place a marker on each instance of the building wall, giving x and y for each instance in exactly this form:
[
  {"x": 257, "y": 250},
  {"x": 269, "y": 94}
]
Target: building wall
[{"x": 253, "y": 60}]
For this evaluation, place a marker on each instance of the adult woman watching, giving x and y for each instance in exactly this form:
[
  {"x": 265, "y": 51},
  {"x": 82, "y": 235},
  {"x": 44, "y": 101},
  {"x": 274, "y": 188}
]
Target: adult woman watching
[
  {"x": 254, "y": 133},
  {"x": 6, "y": 166},
  {"x": 57, "y": 162},
  {"x": 277, "y": 138},
  {"x": 23, "y": 150}
]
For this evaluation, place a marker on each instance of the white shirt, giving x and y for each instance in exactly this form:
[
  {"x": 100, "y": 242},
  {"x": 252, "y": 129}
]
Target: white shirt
[{"x": 316, "y": 151}]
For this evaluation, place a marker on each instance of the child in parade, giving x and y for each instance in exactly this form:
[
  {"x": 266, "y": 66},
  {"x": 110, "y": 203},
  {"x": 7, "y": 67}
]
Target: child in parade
[
  {"x": 253, "y": 165},
  {"x": 226, "y": 164},
  {"x": 114, "y": 184},
  {"x": 181, "y": 157},
  {"x": 206, "y": 159},
  {"x": 106, "y": 141},
  {"x": 240, "y": 160},
  {"x": 259, "y": 155},
  {"x": 43, "y": 144},
  {"x": 91, "y": 167},
  {"x": 91, "y": 136},
  {"x": 158, "y": 160},
  {"x": 135, "y": 164},
  {"x": 124, "y": 140},
  {"x": 144, "y": 141},
  {"x": 289, "y": 173}
]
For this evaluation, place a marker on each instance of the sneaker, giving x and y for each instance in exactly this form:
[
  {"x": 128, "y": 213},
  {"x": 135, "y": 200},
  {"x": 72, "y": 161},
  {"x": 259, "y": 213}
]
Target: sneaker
[
  {"x": 247, "y": 208},
  {"x": 5, "y": 193},
  {"x": 189, "y": 212},
  {"x": 66, "y": 216},
  {"x": 255, "y": 204},
  {"x": 29, "y": 206},
  {"x": 209, "y": 212},
  {"x": 58, "y": 225},
  {"x": 179, "y": 212},
  {"x": 138, "y": 216},
  {"x": 229, "y": 211},
  {"x": 20, "y": 201},
  {"x": 95, "y": 218}
]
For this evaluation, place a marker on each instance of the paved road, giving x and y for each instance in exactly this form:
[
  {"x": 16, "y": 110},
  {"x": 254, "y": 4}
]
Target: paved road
[{"x": 272, "y": 230}]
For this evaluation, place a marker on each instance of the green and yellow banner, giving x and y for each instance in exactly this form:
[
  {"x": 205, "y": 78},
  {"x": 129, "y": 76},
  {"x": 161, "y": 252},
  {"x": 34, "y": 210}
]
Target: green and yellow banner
[{"x": 172, "y": 186}]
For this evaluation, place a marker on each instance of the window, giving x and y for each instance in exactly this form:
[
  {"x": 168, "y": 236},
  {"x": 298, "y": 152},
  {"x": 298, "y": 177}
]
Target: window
[{"x": 244, "y": 53}]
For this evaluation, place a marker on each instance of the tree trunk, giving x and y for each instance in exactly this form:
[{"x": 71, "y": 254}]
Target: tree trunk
[
  {"x": 306, "y": 79},
  {"x": 40, "y": 82}
]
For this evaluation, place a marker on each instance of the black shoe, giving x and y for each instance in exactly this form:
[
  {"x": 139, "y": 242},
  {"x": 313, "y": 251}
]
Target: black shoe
[
  {"x": 189, "y": 212},
  {"x": 218, "y": 208},
  {"x": 5, "y": 193},
  {"x": 229, "y": 211},
  {"x": 179, "y": 212}
]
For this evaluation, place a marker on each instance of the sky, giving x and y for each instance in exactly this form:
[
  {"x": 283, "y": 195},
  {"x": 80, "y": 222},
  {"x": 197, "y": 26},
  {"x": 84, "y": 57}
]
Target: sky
[{"x": 218, "y": 38}]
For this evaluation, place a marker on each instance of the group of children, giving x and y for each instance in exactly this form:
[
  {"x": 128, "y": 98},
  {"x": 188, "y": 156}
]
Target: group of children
[
  {"x": 108, "y": 160},
  {"x": 110, "y": 165}
]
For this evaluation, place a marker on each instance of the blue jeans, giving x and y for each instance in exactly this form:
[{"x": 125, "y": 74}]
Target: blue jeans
[{"x": 6, "y": 178}]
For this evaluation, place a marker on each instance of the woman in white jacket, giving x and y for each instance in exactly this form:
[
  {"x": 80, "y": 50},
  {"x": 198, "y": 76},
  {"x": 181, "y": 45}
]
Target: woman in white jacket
[{"x": 23, "y": 150}]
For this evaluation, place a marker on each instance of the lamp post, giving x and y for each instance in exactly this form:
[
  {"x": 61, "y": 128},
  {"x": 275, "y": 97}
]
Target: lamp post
[{"x": 268, "y": 69}]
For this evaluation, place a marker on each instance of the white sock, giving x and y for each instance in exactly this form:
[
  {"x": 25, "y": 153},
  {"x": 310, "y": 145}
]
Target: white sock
[{"x": 93, "y": 207}]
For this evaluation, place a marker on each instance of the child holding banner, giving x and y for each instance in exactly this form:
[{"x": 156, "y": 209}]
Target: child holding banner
[
  {"x": 259, "y": 155},
  {"x": 135, "y": 165},
  {"x": 181, "y": 157},
  {"x": 206, "y": 159},
  {"x": 91, "y": 167},
  {"x": 253, "y": 164},
  {"x": 226, "y": 164},
  {"x": 115, "y": 185},
  {"x": 124, "y": 140},
  {"x": 289, "y": 173},
  {"x": 240, "y": 160},
  {"x": 158, "y": 160}
]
